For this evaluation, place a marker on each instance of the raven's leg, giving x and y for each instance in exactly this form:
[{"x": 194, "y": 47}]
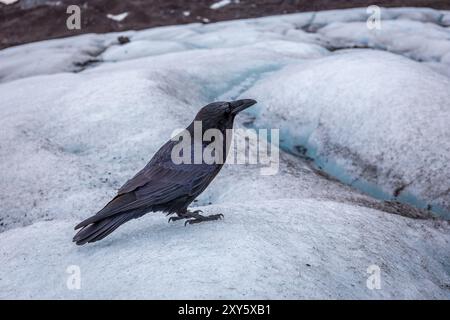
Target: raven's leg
[
  {"x": 199, "y": 218},
  {"x": 186, "y": 215}
]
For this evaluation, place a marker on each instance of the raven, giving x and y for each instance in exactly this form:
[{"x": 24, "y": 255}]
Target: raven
[{"x": 163, "y": 185}]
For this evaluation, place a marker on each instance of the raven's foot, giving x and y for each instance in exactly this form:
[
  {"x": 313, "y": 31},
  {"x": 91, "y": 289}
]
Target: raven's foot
[
  {"x": 187, "y": 215},
  {"x": 199, "y": 218}
]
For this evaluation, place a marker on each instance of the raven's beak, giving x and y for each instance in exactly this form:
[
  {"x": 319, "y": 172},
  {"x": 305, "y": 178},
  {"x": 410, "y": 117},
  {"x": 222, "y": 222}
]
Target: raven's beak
[{"x": 239, "y": 105}]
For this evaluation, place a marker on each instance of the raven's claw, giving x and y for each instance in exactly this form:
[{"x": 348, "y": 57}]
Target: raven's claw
[
  {"x": 200, "y": 218},
  {"x": 188, "y": 214},
  {"x": 175, "y": 219}
]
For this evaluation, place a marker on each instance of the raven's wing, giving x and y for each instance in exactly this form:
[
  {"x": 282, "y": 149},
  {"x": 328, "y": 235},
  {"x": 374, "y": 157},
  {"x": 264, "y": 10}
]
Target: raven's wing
[{"x": 159, "y": 182}]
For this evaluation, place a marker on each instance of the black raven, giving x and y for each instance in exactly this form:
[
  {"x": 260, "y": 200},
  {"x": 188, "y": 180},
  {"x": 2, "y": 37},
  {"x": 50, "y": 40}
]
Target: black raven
[{"x": 163, "y": 185}]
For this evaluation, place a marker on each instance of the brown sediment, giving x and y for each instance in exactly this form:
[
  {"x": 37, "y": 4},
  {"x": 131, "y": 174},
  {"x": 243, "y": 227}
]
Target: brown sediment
[{"x": 21, "y": 25}]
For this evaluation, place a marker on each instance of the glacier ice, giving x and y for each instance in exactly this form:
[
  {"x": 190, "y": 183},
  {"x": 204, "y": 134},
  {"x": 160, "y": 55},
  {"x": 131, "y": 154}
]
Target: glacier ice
[
  {"x": 81, "y": 115},
  {"x": 373, "y": 119}
]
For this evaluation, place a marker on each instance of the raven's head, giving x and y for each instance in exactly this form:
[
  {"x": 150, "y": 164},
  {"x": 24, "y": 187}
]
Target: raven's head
[{"x": 220, "y": 115}]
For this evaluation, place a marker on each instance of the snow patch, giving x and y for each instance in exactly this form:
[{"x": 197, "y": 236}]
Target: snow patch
[
  {"x": 219, "y": 4},
  {"x": 117, "y": 17}
]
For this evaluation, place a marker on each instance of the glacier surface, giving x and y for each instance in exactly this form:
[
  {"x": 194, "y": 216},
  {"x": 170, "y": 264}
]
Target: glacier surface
[{"x": 80, "y": 115}]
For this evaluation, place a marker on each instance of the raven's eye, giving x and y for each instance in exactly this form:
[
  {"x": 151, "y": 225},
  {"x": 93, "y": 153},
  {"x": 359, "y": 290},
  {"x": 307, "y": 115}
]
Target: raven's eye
[{"x": 228, "y": 108}]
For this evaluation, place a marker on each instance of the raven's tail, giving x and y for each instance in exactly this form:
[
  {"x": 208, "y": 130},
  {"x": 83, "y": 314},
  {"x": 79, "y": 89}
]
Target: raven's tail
[{"x": 100, "y": 229}]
